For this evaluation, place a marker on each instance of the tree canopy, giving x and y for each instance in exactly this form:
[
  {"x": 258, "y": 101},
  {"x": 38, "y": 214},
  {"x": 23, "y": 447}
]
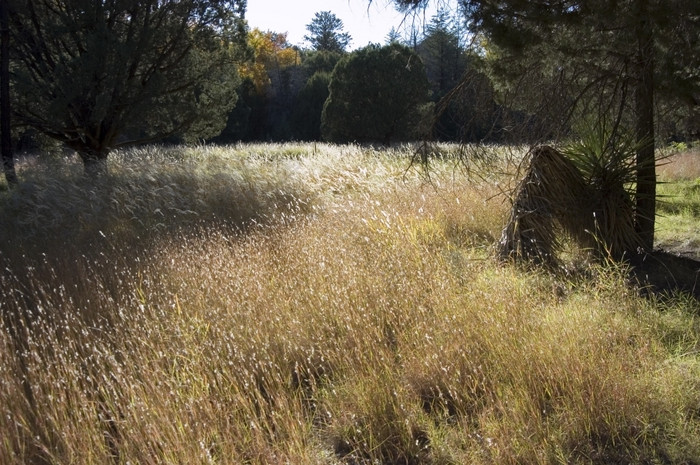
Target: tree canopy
[
  {"x": 580, "y": 58},
  {"x": 442, "y": 55},
  {"x": 309, "y": 106},
  {"x": 465, "y": 109},
  {"x": 326, "y": 33},
  {"x": 97, "y": 75},
  {"x": 271, "y": 52},
  {"x": 377, "y": 94}
]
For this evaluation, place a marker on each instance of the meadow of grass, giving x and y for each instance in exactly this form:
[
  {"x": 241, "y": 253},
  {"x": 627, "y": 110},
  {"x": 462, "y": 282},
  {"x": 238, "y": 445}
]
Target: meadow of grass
[
  {"x": 679, "y": 205},
  {"x": 318, "y": 304}
]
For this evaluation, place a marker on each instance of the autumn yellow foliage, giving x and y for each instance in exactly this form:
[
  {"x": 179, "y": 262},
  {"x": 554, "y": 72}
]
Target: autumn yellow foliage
[{"x": 271, "y": 52}]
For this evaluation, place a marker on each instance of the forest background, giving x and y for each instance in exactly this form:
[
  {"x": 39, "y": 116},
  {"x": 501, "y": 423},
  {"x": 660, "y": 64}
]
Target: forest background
[
  {"x": 217, "y": 300},
  {"x": 280, "y": 90}
]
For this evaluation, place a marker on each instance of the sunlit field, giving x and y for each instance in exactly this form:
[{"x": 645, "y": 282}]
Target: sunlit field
[
  {"x": 319, "y": 304},
  {"x": 679, "y": 203}
]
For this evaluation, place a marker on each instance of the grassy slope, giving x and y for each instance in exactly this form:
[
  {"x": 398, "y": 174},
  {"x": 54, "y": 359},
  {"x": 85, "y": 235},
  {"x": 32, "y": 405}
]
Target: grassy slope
[{"x": 318, "y": 304}]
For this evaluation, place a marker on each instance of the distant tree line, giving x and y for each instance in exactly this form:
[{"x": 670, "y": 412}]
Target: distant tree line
[
  {"x": 415, "y": 84},
  {"x": 94, "y": 76},
  {"x": 99, "y": 75}
]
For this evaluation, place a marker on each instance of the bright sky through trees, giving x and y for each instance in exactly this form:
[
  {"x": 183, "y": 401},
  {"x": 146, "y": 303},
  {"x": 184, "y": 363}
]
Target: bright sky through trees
[{"x": 365, "y": 25}]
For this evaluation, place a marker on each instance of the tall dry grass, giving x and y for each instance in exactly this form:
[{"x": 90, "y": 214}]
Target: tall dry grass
[{"x": 357, "y": 318}]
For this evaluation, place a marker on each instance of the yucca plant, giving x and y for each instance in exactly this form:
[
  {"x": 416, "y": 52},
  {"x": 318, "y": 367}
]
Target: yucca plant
[
  {"x": 582, "y": 191},
  {"x": 607, "y": 161},
  {"x": 546, "y": 194}
]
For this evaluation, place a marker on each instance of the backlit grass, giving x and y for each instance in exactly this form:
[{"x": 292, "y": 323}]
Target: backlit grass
[{"x": 319, "y": 304}]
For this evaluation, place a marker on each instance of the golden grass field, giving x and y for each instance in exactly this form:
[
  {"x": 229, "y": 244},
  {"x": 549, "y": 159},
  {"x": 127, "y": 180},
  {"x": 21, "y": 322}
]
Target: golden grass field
[{"x": 320, "y": 304}]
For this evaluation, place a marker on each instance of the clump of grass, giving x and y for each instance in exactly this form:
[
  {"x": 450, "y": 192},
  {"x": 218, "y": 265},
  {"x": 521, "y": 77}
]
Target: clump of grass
[{"x": 371, "y": 328}]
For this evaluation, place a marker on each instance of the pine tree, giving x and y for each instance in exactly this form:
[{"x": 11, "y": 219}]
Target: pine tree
[{"x": 326, "y": 33}]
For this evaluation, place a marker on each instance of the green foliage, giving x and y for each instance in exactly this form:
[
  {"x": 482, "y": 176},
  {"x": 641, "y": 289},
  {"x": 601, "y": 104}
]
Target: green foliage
[
  {"x": 442, "y": 55},
  {"x": 608, "y": 161},
  {"x": 377, "y": 94},
  {"x": 325, "y": 33},
  {"x": 320, "y": 61},
  {"x": 679, "y": 146},
  {"x": 679, "y": 203},
  {"x": 445, "y": 63},
  {"x": 551, "y": 57},
  {"x": 604, "y": 157},
  {"x": 242, "y": 123},
  {"x": 306, "y": 116},
  {"x": 98, "y": 75}
]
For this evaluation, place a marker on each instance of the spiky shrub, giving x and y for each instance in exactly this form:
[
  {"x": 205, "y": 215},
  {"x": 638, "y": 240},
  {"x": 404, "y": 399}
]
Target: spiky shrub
[
  {"x": 581, "y": 191},
  {"x": 607, "y": 161},
  {"x": 546, "y": 200}
]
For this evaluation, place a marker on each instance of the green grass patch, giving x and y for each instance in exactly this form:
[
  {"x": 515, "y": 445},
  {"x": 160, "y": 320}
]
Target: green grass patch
[{"x": 679, "y": 204}]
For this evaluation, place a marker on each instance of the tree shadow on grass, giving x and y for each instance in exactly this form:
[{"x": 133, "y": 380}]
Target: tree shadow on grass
[{"x": 662, "y": 272}]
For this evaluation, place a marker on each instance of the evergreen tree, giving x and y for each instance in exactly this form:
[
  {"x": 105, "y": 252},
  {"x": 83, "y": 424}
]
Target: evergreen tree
[
  {"x": 97, "y": 75},
  {"x": 377, "y": 94},
  {"x": 306, "y": 117},
  {"x": 444, "y": 59},
  {"x": 319, "y": 61},
  {"x": 393, "y": 37},
  {"x": 8, "y": 161},
  {"x": 326, "y": 33},
  {"x": 316, "y": 66},
  {"x": 445, "y": 62}
]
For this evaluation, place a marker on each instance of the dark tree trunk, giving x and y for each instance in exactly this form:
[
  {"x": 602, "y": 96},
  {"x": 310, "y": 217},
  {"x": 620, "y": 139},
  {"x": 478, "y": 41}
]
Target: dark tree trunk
[
  {"x": 94, "y": 160},
  {"x": 8, "y": 161},
  {"x": 644, "y": 102}
]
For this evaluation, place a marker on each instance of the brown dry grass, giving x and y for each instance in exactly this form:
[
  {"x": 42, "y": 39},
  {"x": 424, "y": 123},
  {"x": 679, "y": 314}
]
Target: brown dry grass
[
  {"x": 369, "y": 326},
  {"x": 680, "y": 166}
]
